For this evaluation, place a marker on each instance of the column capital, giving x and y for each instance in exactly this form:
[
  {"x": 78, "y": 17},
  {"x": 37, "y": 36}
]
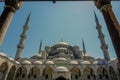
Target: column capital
[
  {"x": 13, "y": 4},
  {"x": 100, "y": 3}
]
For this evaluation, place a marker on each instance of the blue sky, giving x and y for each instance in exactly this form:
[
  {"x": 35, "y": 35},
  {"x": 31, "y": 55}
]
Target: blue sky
[{"x": 50, "y": 22}]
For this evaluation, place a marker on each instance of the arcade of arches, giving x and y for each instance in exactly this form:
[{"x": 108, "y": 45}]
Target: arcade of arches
[{"x": 48, "y": 72}]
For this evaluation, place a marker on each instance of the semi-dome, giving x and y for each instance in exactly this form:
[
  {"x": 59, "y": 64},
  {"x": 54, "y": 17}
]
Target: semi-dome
[
  {"x": 3, "y": 54},
  {"x": 26, "y": 62},
  {"x": 74, "y": 63},
  {"x": 85, "y": 63},
  {"x": 61, "y": 69},
  {"x": 37, "y": 63},
  {"x": 49, "y": 62}
]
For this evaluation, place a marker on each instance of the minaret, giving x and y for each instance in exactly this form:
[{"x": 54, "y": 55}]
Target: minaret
[
  {"x": 20, "y": 46},
  {"x": 40, "y": 47},
  {"x": 104, "y": 46},
  {"x": 84, "y": 49},
  {"x": 112, "y": 24}
]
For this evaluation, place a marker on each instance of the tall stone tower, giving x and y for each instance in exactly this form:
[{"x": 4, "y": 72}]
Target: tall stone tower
[
  {"x": 111, "y": 22},
  {"x": 104, "y": 46},
  {"x": 20, "y": 46}
]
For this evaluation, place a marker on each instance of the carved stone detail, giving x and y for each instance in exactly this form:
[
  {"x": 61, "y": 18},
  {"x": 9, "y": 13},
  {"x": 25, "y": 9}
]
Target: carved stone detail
[
  {"x": 13, "y": 4},
  {"x": 100, "y": 3}
]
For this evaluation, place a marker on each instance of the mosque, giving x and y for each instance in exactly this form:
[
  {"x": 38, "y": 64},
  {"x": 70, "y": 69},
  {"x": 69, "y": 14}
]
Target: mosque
[{"x": 60, "y": 61}]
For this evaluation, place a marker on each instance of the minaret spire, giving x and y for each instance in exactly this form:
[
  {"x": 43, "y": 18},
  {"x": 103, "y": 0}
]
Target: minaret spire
[
  {"x": 20, "y": 46},
  {"x": 84, "y": 49},
  {"x": 104, "y": 46},
  {"x": 40, "y": 47},
  {"x": 96, "y": 19}
]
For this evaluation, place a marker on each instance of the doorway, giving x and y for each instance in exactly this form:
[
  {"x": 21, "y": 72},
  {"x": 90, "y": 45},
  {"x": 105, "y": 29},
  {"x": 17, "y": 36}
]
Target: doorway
[{"x": 61, "y": 78}]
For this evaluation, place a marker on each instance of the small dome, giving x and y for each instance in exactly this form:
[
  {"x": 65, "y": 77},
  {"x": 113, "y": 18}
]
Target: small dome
[
  {"x": 61, "y": 69},
  {"x": 87, "y": 55},
  {"x": 49, "y": 62},
  {"x": 10, "y": 58},
  {"x": 37, "y": 56},
  {"x": 74, "y": 63},
  {"x": 37, "y": 63},
  {"x": 17, "y": 62},
  {"x": 61, "y": 59},
  {"x": 26, "y": 62},
  {"x": 95, "y": 63},
  {"x": 113, "y": 59},
  {"x": 3, "y": 54},
  {"x": 85, "y": 63},
  {"x": 62, "y": 43},
  {"x": 100, "y": 62}
]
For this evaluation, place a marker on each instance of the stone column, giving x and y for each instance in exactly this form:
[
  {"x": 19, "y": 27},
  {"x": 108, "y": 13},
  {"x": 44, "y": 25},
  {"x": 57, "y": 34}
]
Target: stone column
[
  {"x": 111, "y": 22},
  {"x": 9, "y": 9},
  {"x": 7, "y": 72}
]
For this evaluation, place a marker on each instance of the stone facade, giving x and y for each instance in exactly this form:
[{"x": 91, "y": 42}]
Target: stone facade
[{"x": 58, "y": 62}]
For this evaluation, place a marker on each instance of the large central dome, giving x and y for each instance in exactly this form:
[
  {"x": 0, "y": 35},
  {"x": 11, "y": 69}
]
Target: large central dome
[{"x": 62, "y": 43}]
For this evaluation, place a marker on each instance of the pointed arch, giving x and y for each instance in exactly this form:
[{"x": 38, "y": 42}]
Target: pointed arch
[
  {"x": 102, "y": 73},
  {"x": 47, "y": 73},
  {"x": 11, "y": 73},
  {"x": 3, "y": 70},
  {"x": 21, "y": 73},
  {"x": 89, "y": 73},
  {"x": 75, "y": 73},
  {"x": 34, "y": 73}
]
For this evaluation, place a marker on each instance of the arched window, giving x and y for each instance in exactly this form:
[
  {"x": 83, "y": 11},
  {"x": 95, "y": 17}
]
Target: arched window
[{"x": 34, "y": 73}]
